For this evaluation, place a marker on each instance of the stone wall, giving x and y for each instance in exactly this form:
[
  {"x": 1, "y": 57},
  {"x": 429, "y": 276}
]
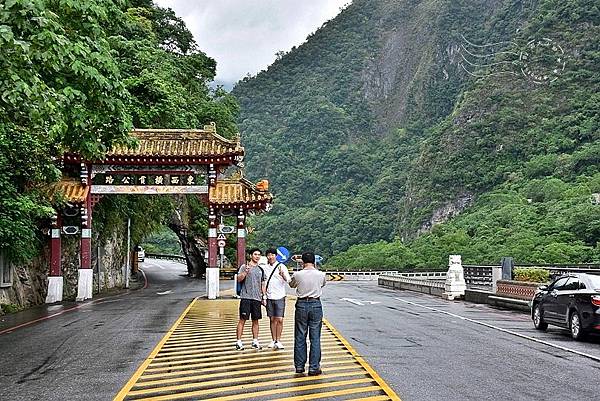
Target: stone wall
[
  {"x": 29, "y": 283},
  {"x": 30, "y": 280},
  {"x": 109, "y": 260}
]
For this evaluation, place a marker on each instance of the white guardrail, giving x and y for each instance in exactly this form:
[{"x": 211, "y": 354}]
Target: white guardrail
[
  {"x": 374, "y": 275},
  {"x": 355, "y": 275}
]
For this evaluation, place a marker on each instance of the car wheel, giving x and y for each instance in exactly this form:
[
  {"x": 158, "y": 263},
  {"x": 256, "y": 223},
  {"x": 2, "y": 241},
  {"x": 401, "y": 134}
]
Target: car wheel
[
  {"x": 538, "y": 318},
  {"x": 577, "y": 332}
]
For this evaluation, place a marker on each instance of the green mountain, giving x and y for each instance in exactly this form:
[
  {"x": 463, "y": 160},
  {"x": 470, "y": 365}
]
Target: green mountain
[{"x": 432, "y": 127}]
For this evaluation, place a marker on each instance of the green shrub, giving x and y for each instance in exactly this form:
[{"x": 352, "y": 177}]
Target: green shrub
[
  {"x": 9, "y": 308},
  {"x": 532, "y": 275}
]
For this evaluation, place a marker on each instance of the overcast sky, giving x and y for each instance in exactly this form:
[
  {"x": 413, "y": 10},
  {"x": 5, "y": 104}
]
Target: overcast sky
[{"x": 244, "y": 35}]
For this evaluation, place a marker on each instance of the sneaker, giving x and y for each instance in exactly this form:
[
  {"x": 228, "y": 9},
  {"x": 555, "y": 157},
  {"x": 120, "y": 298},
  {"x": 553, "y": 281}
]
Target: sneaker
[
  {"x": 299, "y": 371},
  {"x": 278, "y": 345},
  {"x": 255, "y": 344},
  {"x": 272, "y": 344},
  {"x": 239, "y": 345},
  {"x": 315, "y": 372}
]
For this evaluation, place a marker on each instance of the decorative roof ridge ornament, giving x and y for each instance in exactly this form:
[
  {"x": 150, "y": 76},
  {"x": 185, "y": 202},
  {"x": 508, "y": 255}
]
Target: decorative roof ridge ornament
[
  {"x": 185, "y": 134},
  {"x": 211, "y": 127}
]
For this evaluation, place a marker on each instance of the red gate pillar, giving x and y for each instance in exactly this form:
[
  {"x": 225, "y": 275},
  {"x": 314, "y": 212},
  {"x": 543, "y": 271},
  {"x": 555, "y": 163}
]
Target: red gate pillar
[
  {"x": 212, "y": 238},
  {"x": 212, "y": 271},
  {"x": 241, "y": 238},
  {"x": 55, "y": 279},
  {"x": 86, "y": 274}
]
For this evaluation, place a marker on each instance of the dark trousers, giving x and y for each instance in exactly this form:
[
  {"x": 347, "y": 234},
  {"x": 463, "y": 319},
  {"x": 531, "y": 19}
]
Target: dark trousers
[{"x": 308, "y": 320}]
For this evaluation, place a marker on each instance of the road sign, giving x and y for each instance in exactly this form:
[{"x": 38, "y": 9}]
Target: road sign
[
  {"x": 282, "y": 254},
  {"x": 318, "y": 259},
  {"x": 221, "y": 237},
  {"x": 221, "y": 243}
]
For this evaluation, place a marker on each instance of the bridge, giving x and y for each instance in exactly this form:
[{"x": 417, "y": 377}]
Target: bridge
[{"x": 167, "y": 340}]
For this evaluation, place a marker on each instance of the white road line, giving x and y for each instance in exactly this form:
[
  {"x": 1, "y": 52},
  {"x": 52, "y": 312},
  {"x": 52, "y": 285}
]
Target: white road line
[
  {"x": 352, "y": 301},
  {"x": 595, "y": 358}
]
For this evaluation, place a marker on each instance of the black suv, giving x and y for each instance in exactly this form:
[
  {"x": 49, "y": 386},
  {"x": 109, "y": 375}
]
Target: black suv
[{"x": 572, "y": 301}]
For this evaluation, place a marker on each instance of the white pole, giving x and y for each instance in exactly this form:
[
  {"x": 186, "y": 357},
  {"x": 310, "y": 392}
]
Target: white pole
[{"x": 128, "y": 253}]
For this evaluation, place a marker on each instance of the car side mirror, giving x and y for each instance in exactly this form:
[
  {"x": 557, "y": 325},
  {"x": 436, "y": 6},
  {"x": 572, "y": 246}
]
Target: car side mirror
[{"x": 543, "y": 288}]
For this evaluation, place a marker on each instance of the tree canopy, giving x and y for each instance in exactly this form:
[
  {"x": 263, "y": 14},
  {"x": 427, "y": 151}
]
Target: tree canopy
[{"x": 77, "y": 76}]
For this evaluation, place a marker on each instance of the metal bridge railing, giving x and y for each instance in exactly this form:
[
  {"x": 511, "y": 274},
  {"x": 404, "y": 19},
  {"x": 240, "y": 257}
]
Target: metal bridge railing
[{"x": 479, "y": 276}]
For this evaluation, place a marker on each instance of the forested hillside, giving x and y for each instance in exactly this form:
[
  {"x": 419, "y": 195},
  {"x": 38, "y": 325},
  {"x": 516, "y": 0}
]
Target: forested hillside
[{"x": 477, "y": 118}]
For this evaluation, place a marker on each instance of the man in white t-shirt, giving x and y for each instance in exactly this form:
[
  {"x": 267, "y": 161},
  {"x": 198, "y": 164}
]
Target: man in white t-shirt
[{"x": 277, "y": 276}]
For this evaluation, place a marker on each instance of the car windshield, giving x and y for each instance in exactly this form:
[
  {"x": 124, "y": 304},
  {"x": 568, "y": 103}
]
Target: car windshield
[{"x": 595, "y": 280}]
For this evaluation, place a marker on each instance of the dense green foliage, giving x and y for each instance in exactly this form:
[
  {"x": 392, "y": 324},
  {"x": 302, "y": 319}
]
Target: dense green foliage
[
  {"x": 75, "y": 76},
  {"x": 372, "y": 127},
  {"x": 60, "y": 88},
  {"x": 162, "y": 242}
]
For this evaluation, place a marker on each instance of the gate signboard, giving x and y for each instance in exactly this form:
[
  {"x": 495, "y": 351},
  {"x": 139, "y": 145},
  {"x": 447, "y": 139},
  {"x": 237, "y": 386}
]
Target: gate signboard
[{"x": 108, "y": 179}]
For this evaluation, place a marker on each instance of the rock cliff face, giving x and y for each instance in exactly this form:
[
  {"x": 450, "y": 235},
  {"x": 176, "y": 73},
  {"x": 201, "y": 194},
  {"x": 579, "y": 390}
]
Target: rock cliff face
[
  {"x": 446, "y": 212},
  {"x": 29, "y": 284},
  {"x": 30, "y": 281}
]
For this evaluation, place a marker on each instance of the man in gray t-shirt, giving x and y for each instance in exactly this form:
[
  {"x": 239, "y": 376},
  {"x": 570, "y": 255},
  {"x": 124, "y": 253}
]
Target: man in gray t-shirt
[{"x": 252, "y": 294}]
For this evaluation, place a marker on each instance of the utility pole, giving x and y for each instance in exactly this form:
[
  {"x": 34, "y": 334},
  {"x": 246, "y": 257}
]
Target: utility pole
[{"x": 128, "y": 265}]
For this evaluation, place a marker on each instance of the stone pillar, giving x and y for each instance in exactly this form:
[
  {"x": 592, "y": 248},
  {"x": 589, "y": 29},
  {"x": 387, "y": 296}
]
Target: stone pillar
[
  {"x": 55, "y": 279},
  {"x": 241, "y": 238},
  {"x": 86, "y": 274},
  {"x": 508, "y": 265},
  {"x": 455, "y": 285},
  {"x": 212, "y": 271},
  {"x": 496, "y": 275}
]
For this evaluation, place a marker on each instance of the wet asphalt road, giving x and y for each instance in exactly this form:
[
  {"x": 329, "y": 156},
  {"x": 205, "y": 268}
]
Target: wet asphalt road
[
  {"x": 422, "y": 346},
  {"x": 425, "y": 350},
  {"x": 90, "y": 352}
]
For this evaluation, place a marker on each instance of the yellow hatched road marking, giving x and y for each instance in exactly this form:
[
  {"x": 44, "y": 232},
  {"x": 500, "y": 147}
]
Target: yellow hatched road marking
[
  {"x": 227, "y": 344},
  {"x": 247, "y": 373},
  {"x": 333, "y": 356},
  {"x": 336, "y": 393},
  {"x": 217, "y": 385},
  {"x": 243, "y": 362},
  {"x": 196, "y": 359},
  {"x": 256, "y": 394},
  {"x": 230, "y": 355}
]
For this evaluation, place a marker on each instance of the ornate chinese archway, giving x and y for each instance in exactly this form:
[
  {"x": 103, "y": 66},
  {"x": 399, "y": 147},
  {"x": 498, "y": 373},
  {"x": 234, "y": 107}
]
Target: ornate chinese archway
[{"x": 164, "y": 161}]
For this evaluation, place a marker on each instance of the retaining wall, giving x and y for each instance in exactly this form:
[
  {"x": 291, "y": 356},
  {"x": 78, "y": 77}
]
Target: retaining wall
[{"x": 424, "y": 286}]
